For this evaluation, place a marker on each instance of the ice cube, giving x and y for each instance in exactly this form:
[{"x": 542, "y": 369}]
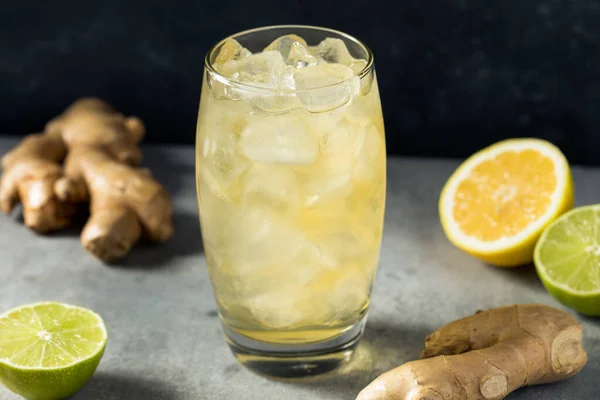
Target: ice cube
[
  {"x": 231, "y": 50},
  {"x": 284, "y": 77},
  {"x": 324, "y": 122},
  {"x": 334, "y": 51},
  {"x": 338, "y": 152},
  {"x": 262, "y": 71},
  {"x": 271, "y": 186},
  {"x": 358, "y": 65},
  {"x": 320, "y": 60},
  {"x": 220, "y": 87},
  {"x": 309, "y": 264},
  {"x": 322, "y": 75},
  {"x": 340, "y": 147},
  {"x": 285, "y": 43},
  {"x": 278, "y": 78},
  {"x": 342, "y": 140},
  {"x": 300, "y": 57},
  {"x": 369, "y": 162},
  {"x": 261, "y": 239},
  {"x": 279, "y": 308},
  {"x": 339, "y": 249},
  {"x": 221, "y": 162},
  {"x": 333, "y": 183},
  {"x": 256, "y": 65},
  {"x": 278, "y": 139},
  {"x": 293, "y": 294},
  {"x": 255, "y": 70},
  {"x": 332, "y": 85},
  {"x": 350, "y": 293},
  {"x": 275, "y": 100},
  {"x": 328, "y": 188}
]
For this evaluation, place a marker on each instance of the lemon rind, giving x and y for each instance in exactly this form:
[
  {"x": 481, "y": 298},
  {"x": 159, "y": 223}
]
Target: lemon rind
[{"x": 471, "y": 243}]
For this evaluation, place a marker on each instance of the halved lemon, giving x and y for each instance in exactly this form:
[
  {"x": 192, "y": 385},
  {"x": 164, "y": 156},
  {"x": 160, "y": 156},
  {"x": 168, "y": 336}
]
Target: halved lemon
[{"x": 497, "y": 203}]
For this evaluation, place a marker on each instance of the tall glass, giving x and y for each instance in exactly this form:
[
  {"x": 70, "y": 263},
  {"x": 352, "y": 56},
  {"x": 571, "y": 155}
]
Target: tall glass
[{"x": 291, "y": 187}]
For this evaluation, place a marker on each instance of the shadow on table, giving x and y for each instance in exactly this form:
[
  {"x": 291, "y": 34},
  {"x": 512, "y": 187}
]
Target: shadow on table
[
  {"x": 384, "y": 346},
  {"x": 170, "y": 166},
  {"x": 525, "y": 274},
  {"x": 105, "y": 386},
  {"x": 187, "y": 241}
]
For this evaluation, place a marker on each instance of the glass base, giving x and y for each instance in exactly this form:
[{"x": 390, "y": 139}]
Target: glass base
[{"x": 295, "y": 360}]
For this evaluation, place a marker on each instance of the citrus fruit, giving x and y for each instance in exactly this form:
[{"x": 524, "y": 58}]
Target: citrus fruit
[
  {"x": 49, "y": 350},
  {"x": 567, "y": 259},
  {"x": 497, "y": 203}
]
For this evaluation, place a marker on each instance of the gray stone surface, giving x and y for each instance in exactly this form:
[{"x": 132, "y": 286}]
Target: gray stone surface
[{"x": 165, "y": 340}]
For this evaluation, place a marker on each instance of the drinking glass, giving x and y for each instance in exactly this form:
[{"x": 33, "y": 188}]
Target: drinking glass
[{"x": 290, "y": 167}]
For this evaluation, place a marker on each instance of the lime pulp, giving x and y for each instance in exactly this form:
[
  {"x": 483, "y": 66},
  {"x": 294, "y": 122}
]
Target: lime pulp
[
  {"x": 49, "y": 351},
  {"x": 567, "y": 259}
]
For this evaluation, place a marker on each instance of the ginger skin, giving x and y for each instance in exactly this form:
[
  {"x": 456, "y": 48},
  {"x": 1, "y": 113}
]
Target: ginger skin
[
  {"x": 125, "y": 201},
  {"x": 487, "y": 356},
  {"x": 30, "y": 171},
  {"x": 92, "y": 122},
  {"x": 102, "y": 155}
]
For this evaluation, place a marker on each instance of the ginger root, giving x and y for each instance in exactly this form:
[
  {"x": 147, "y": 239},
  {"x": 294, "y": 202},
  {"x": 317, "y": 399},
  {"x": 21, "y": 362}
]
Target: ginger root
[
  {"x": 487, "y": 356},
  {"x": 30, "y": 171},
  {"x": 92, "y": 122},
  {"x": 100, "y": 151}
]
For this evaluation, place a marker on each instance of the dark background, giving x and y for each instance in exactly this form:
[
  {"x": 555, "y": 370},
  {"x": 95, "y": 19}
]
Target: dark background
[{"x": 455, "y": 75}]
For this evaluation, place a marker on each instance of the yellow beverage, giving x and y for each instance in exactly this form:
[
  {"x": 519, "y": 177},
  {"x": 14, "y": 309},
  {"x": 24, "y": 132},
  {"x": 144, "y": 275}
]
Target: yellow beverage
[{"x": 291, "y": 187}]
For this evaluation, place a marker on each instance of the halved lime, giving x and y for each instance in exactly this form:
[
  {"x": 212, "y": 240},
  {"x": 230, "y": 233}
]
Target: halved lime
[
  {"x": 49, "y": 351},
  {"x": 567, "y": 259}
]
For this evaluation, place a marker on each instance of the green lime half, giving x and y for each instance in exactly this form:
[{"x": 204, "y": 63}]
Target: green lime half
[
  {"x": 49, "y": 351},
  {"x": 567, "y": 259}
]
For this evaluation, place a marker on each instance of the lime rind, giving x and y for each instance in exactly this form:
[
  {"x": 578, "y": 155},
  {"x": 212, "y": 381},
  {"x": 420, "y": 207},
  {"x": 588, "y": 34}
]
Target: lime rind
[
  {"x": 567, "y": 259},
  {"x": 76, "y": 358}
]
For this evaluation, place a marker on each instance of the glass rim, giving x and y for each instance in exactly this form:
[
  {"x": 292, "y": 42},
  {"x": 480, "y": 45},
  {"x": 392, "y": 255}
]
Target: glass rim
[{"x": 360, "y": 74}]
